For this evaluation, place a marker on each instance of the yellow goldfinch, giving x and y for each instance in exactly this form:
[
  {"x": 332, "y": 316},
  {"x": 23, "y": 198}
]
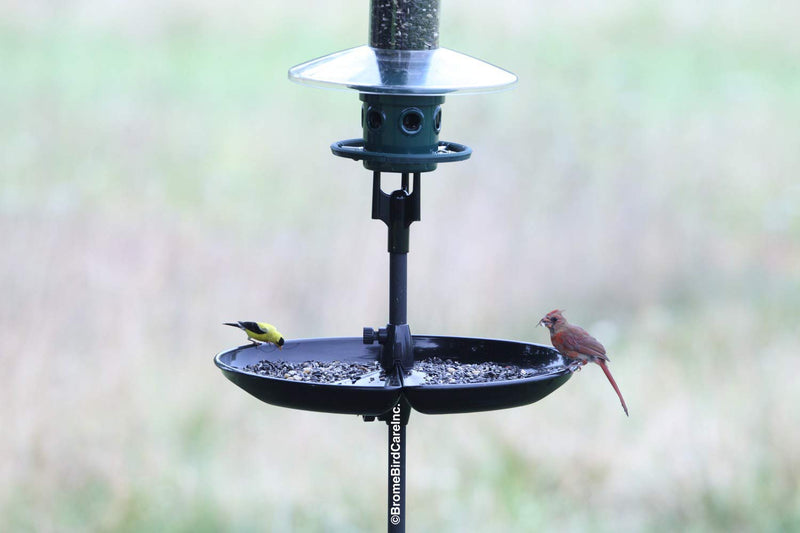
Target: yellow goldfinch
[{"x": 260, "y": 331}]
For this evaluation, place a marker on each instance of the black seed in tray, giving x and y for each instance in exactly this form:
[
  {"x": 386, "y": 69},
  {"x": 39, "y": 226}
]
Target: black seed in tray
[
  {"x": 319, "y": 371},
  {"x": 433, "y": 371},
  {"x": 437, "y": 371}
]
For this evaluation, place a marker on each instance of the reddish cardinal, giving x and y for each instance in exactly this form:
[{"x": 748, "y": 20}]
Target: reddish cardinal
[{"x": 575, "y": 343}]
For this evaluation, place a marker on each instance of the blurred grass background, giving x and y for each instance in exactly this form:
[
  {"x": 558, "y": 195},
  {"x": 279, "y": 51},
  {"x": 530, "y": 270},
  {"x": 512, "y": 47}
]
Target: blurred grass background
[{"x": 159, "y": 175}]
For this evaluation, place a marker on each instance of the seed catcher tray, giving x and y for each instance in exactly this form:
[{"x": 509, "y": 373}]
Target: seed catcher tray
[{"x": 343, "y": 375}]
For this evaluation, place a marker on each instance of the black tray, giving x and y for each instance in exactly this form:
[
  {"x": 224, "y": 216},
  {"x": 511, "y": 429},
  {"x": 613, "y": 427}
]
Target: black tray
[{"x": 547, "y": 367}]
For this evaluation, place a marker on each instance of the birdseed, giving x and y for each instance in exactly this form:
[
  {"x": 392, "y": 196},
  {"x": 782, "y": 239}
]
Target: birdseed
[
  {"x": 406, "y": 25},
  {"x": 319, "y": 371},
  {"x": 436, "y": 371},
  {"x": 432, "y": 371}
]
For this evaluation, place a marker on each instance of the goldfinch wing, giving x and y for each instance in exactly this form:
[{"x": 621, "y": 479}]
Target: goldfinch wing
[{"x": 253, "y": 326}]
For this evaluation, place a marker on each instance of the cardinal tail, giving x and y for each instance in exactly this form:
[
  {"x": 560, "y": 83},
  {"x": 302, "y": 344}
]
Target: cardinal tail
[{"x": 613, "y": 383}]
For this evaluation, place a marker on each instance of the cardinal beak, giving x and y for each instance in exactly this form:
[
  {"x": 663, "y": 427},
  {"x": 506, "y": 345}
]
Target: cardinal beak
[{"x": 541, "y": 322}]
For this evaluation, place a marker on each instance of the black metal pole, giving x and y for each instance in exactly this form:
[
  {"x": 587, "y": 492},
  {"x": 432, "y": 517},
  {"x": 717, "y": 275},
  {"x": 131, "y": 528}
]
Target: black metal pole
[
  {"x": 398, "y": 288},
  {"x": 397, "y": 423},
  {"x": 397, "y": 210}
]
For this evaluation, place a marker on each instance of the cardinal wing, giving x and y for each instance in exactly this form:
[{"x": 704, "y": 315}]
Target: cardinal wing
[{"x": 576, "y": 339}]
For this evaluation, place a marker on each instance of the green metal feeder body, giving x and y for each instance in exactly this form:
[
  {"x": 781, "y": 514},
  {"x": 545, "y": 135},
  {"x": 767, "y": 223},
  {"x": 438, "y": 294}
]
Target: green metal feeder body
[{"x": 402, "y": 77}]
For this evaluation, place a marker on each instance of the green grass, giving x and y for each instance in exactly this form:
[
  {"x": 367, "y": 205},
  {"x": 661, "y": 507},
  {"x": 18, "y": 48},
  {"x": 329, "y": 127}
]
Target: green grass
[{"x": 159, "y": 175}]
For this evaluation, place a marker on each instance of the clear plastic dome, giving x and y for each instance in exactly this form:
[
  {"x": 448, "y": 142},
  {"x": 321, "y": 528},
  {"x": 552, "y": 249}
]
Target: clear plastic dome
[{"x": 418, "y": 72}]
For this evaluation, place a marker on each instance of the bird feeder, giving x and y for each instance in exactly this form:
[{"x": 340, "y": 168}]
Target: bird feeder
[{"x": 402, "y": 78}]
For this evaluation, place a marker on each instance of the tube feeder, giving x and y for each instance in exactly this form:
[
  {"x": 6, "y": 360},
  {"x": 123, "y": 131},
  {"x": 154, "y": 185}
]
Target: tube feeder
[{"x": 402, "y": 77}]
